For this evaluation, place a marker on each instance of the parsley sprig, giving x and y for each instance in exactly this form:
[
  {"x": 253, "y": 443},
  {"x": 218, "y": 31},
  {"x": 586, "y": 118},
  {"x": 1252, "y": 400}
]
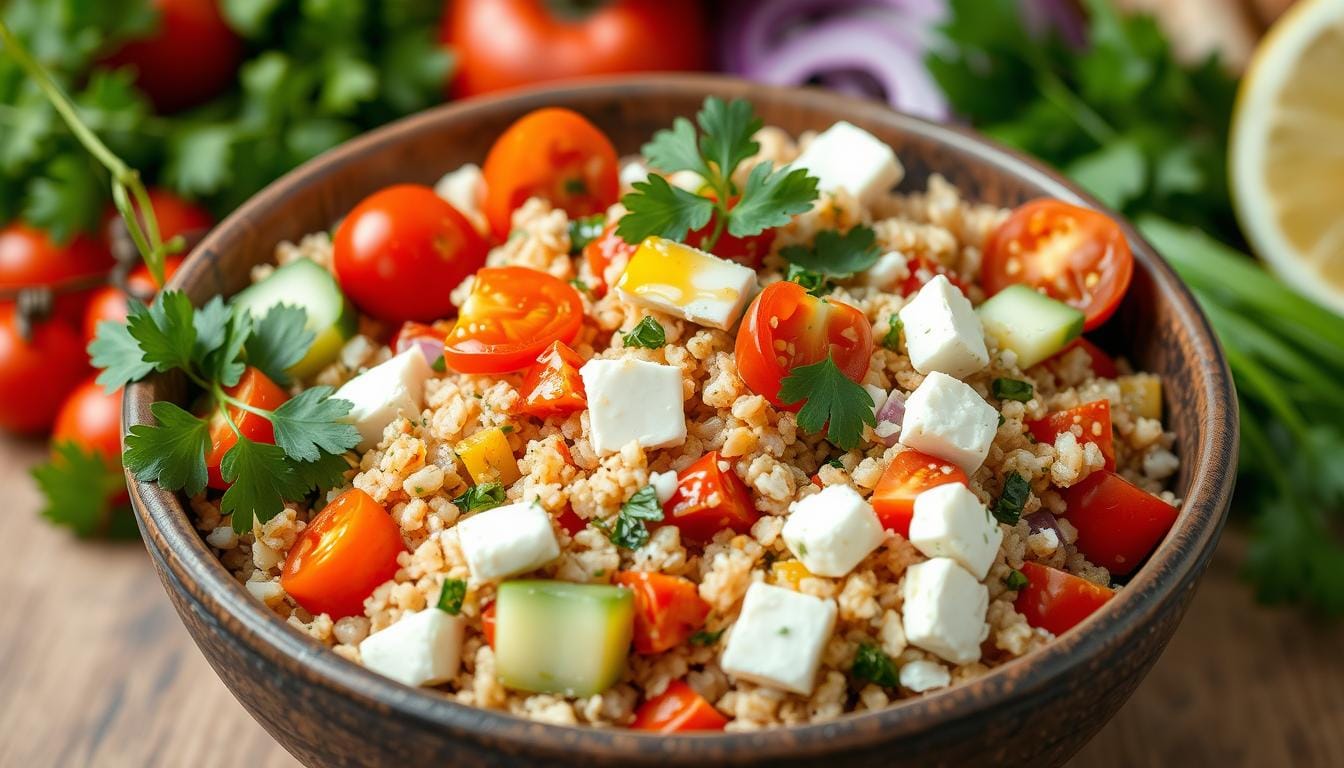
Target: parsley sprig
[
  {"x": 836, "y": 255},
  {"x": 647, "y": 333},
  {"x": 769, "y": 198},
  {"x": 630, "y": 531},
  {"x": 834, "y": 402},
  {"x": 875, "y": 666},
  {"x": 82, "y": 492}
]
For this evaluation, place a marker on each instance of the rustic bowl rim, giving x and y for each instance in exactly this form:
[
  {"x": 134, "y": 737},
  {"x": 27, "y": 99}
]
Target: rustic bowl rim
[{"x": 1173, "y": 567}]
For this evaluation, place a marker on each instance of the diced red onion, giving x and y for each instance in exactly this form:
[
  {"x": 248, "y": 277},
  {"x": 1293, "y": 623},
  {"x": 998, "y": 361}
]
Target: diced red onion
[
  {"x": 891, "y": 412},
  {"x": 1041, "y": 521},
  {"x": 431, "y": 348}
]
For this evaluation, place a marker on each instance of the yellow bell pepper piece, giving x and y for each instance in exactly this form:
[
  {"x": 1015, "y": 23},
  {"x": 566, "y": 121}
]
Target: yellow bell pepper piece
[
  {"x": 1142, "y": 392},
  {"x": 789, "y": 573},
  {"x": 488, "y": 457}
]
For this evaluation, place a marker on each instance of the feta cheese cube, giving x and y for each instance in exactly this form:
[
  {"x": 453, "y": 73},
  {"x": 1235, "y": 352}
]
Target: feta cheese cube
[
  {"x": 944, "y": 610},
  {"x": 688, "y": 283},
  {"x": 942, "y": 331},
  {"x": 506, "y": 541},
  {"x": 922, "y": 675},
  {"x": 633, "y": 400},
  {"x": 889, "y": 267},
  {"x": 384, "y": 392},
  {"x": 664, "y": 484},
  {"x": 831, "y": 531},
  {"x": 778, "y": 638},
  {"x": 847, "y": 157},
  {"x": 423, "y": 648},
  {"x": 944, "y": 417},
  {"x": 949, "y": 521}
]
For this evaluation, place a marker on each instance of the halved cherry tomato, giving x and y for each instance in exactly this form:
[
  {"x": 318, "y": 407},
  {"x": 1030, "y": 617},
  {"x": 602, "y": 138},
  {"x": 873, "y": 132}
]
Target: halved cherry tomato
[
  {"x": 668, "y": 609},
  {"x": 109, "y": 303},
  {"x": 258, "y": 391},
  {"x": 554, "y": 154},
  {"x": 1076, "y": 255},
  {"x": 910, "y": 474},
  {"x": 1118, "y": 523},
  {"x": 510, "y": 317},
  {"x": 748, "y": 251},
  {"x": 402, "y": 250},
  {"x": 37, "y": 373},
  {"x": 1094, "y": 419},
  {"x": 30, "y": 257},
  {"x": 922, "y": 270},
  {"x": 488, "y": 624},
  {"x": 1055, "y": 601},
  {"x": 604, "y": 251},
  {"x": 708, "y": 499},
  {"x": 570, "y": 520},
  {"x": 678, "y": 709},
  {"x": 342, "y": 556},
  {"x": 552, "y": 386},
  {"x": 786, "y": 328}
]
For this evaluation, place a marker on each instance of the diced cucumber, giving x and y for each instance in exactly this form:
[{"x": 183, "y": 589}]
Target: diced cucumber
[
  {"x": 305, "y": 284},
  {"x": 560, "y": 637},
  {"x": 1030, "y": 323}
]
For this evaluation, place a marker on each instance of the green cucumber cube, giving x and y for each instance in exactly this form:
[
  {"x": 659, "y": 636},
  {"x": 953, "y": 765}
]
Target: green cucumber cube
[
  {"x": 1031, "y": 324},
  {"x": 306, "y": 284},
  {"x": 560, "y": 637}
]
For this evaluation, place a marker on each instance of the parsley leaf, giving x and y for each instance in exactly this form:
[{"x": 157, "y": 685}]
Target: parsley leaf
[
  {"x": 728, "y": 128},
  {"x": 327, "y": 472},
  {"x": 221, "y": 363},
  {"x": 834, "y": 254},
  {"x": 279, "y": 340},
  {"x": 770, "y": 199},
  {"x": 1012, "y": 389},
  {"x": 832, "y": 400},
  {"x": 871, "y": 664},
  {"x": 647, "y": 333},
  {"x": 451, "y": 595},
  {"x": 814, "y": 283},
  {"x": 166, "y": 333},
  {"x": 892, "y": 339},
  {"x": 658, "y": 208},
  {"x": 479, "y": 498},
  {"x": 171, "y": 453},
  {"x": 262, "y": 479},
  {"x": 310, "y": 422},
  {"x": 118, "y": 354},
  {"x": 630, "y": 531},
  {"x": 675, "y": 149},
  {"x": 1008, "y": 507},
  {"x": 80, "y": 488}
]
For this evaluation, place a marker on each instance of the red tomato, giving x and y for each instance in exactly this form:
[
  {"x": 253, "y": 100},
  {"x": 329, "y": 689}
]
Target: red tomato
[
  {"x": 488, "y": 624},
  {"x": 29, "y": 257},
  {"x": 552, "y": 386},
  {"x": 554, "y": 154},
  {"x": 502, "y": 44},
  {"x": 748, "y": 251},
  {"x": 910, "y": 474},
  {"x": 678, "y": 709},
  {"x": 1076, "y": 255},
  {"x": 1118, "y": 523},
  {"x": 91, "y": 419},
  {"x": 401, "y": 251},
  {"x": 1094, "y": 421},
  {"x": 258, "y": 391},
  {"x": 109, "y": 303},
  {"x": 808, "y": 328},
  {"x": 190, "y": 58},
  {"x": 708, "y": 499},
  {"x": 511, "y": 316},
  {"x": 570, "y": 521},
  {"x": 36, "y": 375},
  {"x": 668, "y": 609},
  {"x": 1103, "y": 366},
  {"x": 1055, "y": 601},
  {"x": 342, "y": 556},
  {"x": 922, "y": 270},
  {"x": 604, "y": 251}
]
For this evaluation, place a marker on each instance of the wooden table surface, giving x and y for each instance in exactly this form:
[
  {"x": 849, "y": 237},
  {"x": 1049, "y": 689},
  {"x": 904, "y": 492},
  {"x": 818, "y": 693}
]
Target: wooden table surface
[{"x": 97, "y": 671}]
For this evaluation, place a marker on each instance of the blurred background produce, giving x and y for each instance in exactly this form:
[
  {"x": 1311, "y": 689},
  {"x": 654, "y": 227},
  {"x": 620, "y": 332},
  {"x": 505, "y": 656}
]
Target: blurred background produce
[{"x": 1134, "y": 99}]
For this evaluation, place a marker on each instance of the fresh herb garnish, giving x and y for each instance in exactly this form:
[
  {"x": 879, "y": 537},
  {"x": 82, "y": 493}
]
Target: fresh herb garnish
[
  {"x": 630, "y": 531},
  {"x": 892, "y": 339},
  {"x": 451, "y": 595},
  {"x": 1008, "y": 507},
  {"x": 80, "y": 488},
  {"x": 439, "y": 365},
  {"x": 836, "y": 255},
  {"x": 705, "y": 637},
  {"x": 1012, "y": 389},
  {"x": 836, "y": 462},
  {"x": 769, "y": 198},
  {"x": 833, "y": 401},
  {"x": 1015, "y": 580},
  {"x": 871, "y": 664},
  {"x": 814, "y": 283},
  {"x": 579, "y": 285},
  {"x": 584, "y": 230},
  {"x": 481, "y": 497},
  {"x": 647, "y": 333}
]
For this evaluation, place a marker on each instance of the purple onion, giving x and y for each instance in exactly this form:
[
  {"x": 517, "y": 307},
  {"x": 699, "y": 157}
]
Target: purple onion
[
  {"x": 1041, "y": 521},
  {"x": 892, "y": 412},
  {"x": 431, "y": 348}
]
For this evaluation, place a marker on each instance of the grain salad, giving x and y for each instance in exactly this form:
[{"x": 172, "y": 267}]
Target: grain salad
[{"x": 728, "y": 435}]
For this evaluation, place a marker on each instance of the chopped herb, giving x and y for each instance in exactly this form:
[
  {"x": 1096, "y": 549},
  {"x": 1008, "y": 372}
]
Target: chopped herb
[
  {"x": 836, "y": 462},
  {"x": 1016, "y": 580},
  {"x": 802, "y": 549},
  {"x": 892, "y": 340},
  {"x": 630, "y": 531},
  {"x": 600, "y": 572},
  {"x": 584, "y": 230},
  {"x": 648, "y": 333},
  {"x": 1008, "y": 507},
  {"x": 705, "y": 637},
  {"x": 1012, "y": 389},
  {"x": 480, "y": 497},
  {"x": 835, "y": 255},
  {"x": 814, "y": 283},
  {"x": 832, "y": 400},
  {"x": 439, "y": 365},
  {"x": 783, "y": 631},
  {"x": 871, "y": 664},
  {"x": 452, "y": 594},
  {"x": 506, "y": 429},
  {"x": 579, "y": 285},
  {"x": 1002, "y": 420}
]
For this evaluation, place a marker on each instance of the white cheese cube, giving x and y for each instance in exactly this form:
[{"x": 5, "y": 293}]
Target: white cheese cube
[
  {"x": 847, "y": 157},
  {"x": 506, "y": 541},
  {"x": 384, "y": 392},
  {"x": 778, "y": 638},
  {"x": 423, "y": 648},
  {"x": 889, "y": 267},
  {"x": 464, "y": 189},
  {"x": 831, "y": 531},
  {"x": 944, "y": 417},
  {"x": 633, "y": 400},
  {"x": 949, "y": 521},
  {"x": 664, "y": 484},
  {"x": 942, "y": 331},
  {"x": 633, "y": 169},
  {"x": 921, "y": 675},
  {"x": 944, "y": 610},
  {"x": 688, "y": 283}
]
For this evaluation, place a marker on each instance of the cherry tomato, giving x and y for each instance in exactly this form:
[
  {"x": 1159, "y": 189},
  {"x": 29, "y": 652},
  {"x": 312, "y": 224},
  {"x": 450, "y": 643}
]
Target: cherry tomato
[
  {"x": 552, "y": 386},
  {"x": 709, "y": 499},
  {"x": 668, "y": 609},
  {"x": 1076, "y": 255},
  {"x": 502, "y": 44},
  {"x": 511, "y": 316},
  {"x": 36, "y": 375},
  {"x": 1103, "y": 366},
  {"x": 1055, "y": 601},
  {"x": 29, "y": 257},
  {"x": 678, "y": 709},
  {"x": 1093, "y": 419},
  {"x": 91, "y": 419},
  {"x": 786, "y": 328},
  {"x": 402, "y": 250},
  {"x": 604, "y": 252},
  {"x": 109, "y": 303},
  {"x": 908, "y": 475},
  {"x": 488, "y": 624},
  {"x": 1118, "y": 523},
  {"x": 923, "y": 269},
  {"x": 570, "y": 521},
  {"x": 554, "y": 154},
  {"x": 342, "y": 556},
  {"x": 191, "y": 56},
  {"x": 258, "y": 391},
  {"x": 748, "y": 251}
]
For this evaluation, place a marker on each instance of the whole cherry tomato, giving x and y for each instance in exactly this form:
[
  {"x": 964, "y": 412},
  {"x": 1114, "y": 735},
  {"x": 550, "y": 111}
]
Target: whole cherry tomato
[
  {"x": 91, "y": 419},
  {"x": 109, "y": 303},
  {"x": 554, "y": 154},
  {"x": 908, "y": 475},
  {"x": 503, "y": 44},
  {"x": 1076, "y": 255},
  {"x": 786, "y": 328},
  {"x": 1055, "y": 600},
  {"x": 37, "y": 374},
  {"x": 668, "y": 609},
  {"x": 511, "y": 316},
  {"x": 402, "y": 250},
  {"x": 1092, "y": 419},
  {"x": 190, "y": 57},
  {"x": 708, "y": 499},
  {"x": 342, "y": 556},
  {"x": 678, "y": 709},
  {"x": 552, "y": 386},
  {"x": 258, "y": 391},
  {"x": 29, "y": 257}
]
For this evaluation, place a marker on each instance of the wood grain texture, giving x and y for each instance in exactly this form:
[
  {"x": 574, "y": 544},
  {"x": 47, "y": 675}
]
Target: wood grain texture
[{"x": 97, "y": 670}]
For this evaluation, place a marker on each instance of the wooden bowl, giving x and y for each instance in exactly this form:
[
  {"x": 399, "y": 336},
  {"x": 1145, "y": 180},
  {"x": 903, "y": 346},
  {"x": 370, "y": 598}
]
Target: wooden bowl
[{"x": 1038, "y": 709}]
